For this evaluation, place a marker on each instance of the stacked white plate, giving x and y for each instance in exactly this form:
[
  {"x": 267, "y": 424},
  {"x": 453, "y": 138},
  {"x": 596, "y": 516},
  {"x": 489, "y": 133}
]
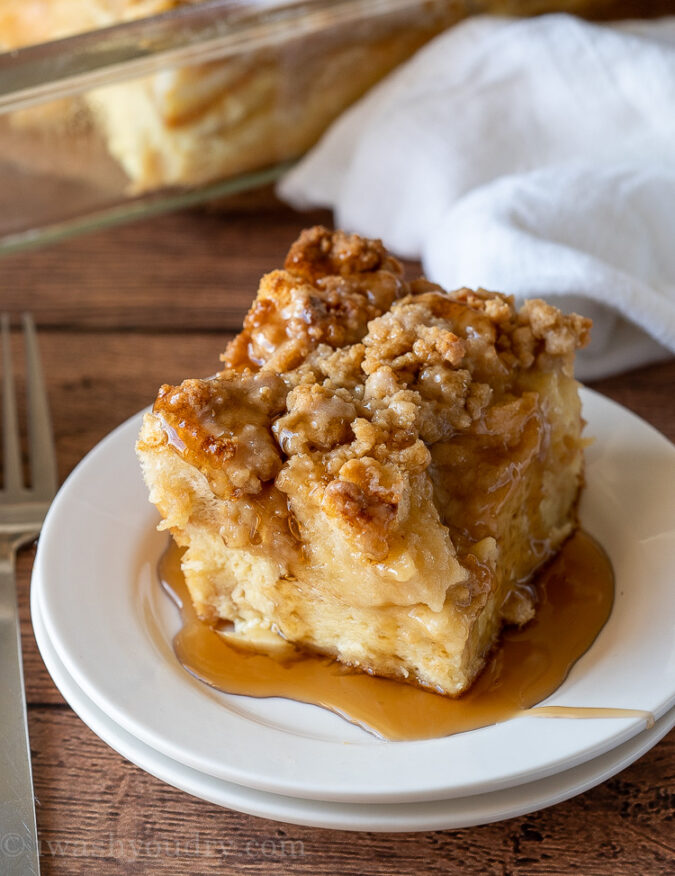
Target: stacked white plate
[{"x": 104, "y": 629}]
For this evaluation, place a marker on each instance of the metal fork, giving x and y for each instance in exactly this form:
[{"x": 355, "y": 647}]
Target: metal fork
[{"x": 22, "y": 511}]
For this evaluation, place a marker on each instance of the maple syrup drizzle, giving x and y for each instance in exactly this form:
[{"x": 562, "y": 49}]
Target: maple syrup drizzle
[{"x": 575, "y": 593}]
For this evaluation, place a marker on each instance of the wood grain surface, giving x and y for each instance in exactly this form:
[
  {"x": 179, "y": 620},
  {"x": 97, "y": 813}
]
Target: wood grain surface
[{"x": 121, "y": 312}]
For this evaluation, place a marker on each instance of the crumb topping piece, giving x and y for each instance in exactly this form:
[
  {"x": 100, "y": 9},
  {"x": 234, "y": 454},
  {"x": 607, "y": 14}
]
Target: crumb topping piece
[{"x": 332, "y": 284}]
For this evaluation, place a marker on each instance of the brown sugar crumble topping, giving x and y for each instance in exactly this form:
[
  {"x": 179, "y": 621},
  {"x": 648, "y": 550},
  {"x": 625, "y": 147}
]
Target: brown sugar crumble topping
[{"x": 340, "y": 358}]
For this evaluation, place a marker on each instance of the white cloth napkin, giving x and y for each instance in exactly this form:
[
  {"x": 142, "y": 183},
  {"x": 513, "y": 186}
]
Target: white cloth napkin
[{"x": 535, "y": 157}]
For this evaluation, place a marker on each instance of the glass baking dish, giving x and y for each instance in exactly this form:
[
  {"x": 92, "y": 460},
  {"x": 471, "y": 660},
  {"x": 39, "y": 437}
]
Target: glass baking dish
[
  {"x": 161, "y": 104},
  {"x": 194, "y": 103}
]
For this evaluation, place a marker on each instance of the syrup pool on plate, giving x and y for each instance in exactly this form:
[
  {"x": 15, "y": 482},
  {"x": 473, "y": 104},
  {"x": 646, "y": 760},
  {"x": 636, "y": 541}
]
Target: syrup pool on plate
[{"x": 575, "y": 592}]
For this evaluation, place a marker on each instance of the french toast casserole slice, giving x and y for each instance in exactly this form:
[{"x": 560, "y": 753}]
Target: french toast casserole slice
[{"x": 380, "y": 466}]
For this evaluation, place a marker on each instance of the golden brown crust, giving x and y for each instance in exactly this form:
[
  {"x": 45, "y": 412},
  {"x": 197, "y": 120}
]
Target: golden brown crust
[
  {"x": 331, "y": 286},
  {"x": 222, "y": 427},
  {"x": 320, "y": 253}
]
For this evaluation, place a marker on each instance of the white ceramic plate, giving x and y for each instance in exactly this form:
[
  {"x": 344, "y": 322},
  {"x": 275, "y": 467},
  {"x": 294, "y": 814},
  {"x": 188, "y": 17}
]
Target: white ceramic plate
[
  {"x": 112, "y": 627},
  {"x": 436, "y": 815}
]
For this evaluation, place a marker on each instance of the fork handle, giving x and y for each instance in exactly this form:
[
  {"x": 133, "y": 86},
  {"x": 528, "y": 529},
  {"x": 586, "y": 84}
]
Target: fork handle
[{"x": 18, "y": 831}]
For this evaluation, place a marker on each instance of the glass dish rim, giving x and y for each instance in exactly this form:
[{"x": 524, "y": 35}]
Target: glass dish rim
[{"x": 179, "y": 37}]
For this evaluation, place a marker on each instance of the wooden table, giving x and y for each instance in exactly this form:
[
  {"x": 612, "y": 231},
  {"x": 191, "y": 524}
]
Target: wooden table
[{"x": 120, "y": 312}]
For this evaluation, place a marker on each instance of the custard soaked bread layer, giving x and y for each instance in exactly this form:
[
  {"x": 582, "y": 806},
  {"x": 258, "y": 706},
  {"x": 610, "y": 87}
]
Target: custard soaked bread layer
[{"x": 379, "y": 467}]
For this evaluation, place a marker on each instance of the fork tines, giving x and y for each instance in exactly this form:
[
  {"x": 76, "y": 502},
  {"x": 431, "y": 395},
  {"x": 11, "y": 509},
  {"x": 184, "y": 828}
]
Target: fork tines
[{"x": 42, "y": 456}]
